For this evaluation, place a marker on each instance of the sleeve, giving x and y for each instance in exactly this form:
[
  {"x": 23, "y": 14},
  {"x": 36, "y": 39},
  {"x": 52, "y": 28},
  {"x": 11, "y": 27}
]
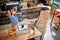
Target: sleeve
[{"x": 14, "y": 20}]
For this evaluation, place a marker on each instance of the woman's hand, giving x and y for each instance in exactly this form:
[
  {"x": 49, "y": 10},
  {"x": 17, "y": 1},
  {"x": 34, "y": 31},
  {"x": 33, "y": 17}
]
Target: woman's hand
[{"x": 9, "y": 13}]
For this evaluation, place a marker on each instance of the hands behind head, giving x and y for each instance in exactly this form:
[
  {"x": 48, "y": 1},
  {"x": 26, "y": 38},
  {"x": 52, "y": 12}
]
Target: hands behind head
[
  {"x": 9, "y": 13},
  {"x": 12, "y": 11}
]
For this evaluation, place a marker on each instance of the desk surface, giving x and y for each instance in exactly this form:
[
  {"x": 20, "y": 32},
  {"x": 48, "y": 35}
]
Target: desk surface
[
  {"x": 37, "y": 33},
  {"x": 29, "y": 35},
  {"x": 26, "y": 36},
  {"x": 36, "y": 6}
]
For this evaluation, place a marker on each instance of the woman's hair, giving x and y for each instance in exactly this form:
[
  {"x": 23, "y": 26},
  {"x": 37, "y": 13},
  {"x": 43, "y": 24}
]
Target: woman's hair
[{"x": 11, "y": 7}]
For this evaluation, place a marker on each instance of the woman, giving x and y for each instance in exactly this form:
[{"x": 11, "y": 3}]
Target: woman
[{"x": 11, "y": 14}]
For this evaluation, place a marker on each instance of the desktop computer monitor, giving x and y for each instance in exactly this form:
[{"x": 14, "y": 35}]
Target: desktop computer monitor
[
  {"x": 11, "y": 4},
  {"x": 56, "y": 2}
]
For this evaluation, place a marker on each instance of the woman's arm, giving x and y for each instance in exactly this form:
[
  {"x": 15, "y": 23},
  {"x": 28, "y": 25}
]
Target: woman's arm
[{"x": 9, "y": 13}]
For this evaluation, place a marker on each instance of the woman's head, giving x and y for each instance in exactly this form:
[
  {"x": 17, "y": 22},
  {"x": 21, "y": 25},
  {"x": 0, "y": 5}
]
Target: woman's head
[{"x": 14, "y": 10}]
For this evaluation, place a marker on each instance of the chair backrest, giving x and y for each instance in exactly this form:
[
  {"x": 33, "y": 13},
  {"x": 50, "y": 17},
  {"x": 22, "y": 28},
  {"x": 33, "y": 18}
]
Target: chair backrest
[
  {"x": 44, "y": 15},
  {"x": 57, "y": 12}
]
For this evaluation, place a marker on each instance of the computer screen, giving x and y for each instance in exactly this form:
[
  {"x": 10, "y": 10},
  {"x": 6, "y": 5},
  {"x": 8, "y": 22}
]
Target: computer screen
[
  {"x": 11, "y": 4},
  {"x": 56, "y": 2}
]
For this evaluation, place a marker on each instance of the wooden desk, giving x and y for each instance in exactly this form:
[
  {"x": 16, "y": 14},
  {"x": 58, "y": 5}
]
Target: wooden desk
[
  {"x": 26, "y": 36},
  {"x": 36, "y": 6},
  {"x": 25, "y": 8},
  {"x": 29, "y": 35},
  {"x": 32, "y": 7},
  {"x": 37, "y": 33}
]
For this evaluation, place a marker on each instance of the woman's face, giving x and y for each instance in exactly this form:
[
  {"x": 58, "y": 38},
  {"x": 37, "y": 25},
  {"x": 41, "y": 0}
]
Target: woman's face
[{"x": 14, "y": 10}]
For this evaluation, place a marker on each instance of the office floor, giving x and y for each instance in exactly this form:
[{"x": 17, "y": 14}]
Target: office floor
[{"x": 55, "y": 36}]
